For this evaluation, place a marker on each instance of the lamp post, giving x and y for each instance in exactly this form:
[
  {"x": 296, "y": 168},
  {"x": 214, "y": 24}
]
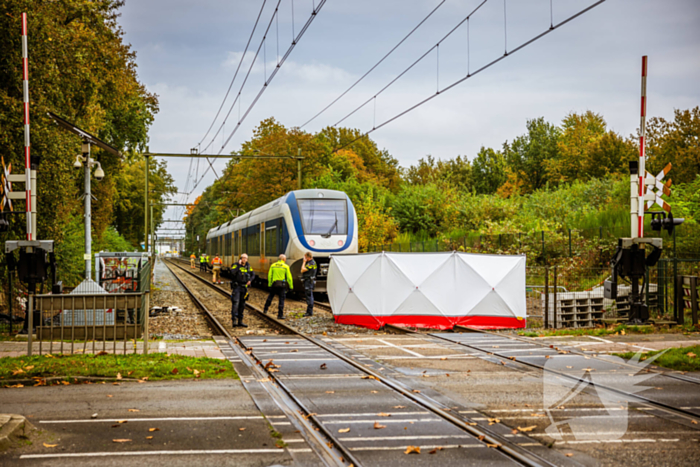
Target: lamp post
[{"x": 84, "y": 160}]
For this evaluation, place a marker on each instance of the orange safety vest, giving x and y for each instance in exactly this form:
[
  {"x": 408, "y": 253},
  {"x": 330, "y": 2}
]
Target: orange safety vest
[
  {"x": 192, "y": 256},
  {"x": 216, "y": 261}
]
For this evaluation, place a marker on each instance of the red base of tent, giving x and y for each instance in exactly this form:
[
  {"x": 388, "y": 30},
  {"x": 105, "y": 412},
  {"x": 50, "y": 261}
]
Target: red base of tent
[{"x": 432, "y": 322}]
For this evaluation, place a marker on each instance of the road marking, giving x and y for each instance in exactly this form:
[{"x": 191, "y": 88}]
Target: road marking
[
  {"x": 160, "y": 453},
  {"x": 623, "y": 343},
  {"x": 425, "y": 448},
  {"x": 163, "y": 419},
  {"x": 373, "y": 414},
  {"x": 619, "y": 441},
  {"x": 405, "y": 420},
  {"x": 399, "y": 438},
  {"x": 400, "y": 348}
]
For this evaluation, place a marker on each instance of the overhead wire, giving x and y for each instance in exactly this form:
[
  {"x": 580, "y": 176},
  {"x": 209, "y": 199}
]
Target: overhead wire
[
  {"x": 412, "y": 64},
  {"x": 375, "y": 65},
  {"x": 240, "y": 62},
  {"x": 274, "y": 72},
  {"x": 455, "y": 83}
]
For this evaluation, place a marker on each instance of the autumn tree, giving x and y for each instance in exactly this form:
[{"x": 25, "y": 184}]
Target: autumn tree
[
  {"x": 676, "y": 141},
  {"x": 80, "y": 68}
]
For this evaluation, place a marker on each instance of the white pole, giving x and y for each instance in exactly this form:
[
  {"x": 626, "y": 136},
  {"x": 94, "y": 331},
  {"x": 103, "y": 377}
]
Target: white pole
[{"x": 88, "y": 216}]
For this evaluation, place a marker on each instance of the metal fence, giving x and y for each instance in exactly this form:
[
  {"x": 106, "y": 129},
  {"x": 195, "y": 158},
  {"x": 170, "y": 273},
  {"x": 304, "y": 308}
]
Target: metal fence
[
  {"x": 84, "y": 319},
  {"x": 90, "y": 321}
]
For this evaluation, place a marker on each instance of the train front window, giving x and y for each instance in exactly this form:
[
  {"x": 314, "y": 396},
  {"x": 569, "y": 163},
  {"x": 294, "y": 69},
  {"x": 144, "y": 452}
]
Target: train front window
[{"x": 324, "y": 216}]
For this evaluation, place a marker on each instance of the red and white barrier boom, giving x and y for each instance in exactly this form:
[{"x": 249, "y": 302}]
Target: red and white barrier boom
[{"x": 27, "y": 142}]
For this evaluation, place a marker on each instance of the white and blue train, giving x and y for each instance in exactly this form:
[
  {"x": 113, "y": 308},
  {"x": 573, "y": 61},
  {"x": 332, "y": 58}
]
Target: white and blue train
[{"x": 323, "y": 222}]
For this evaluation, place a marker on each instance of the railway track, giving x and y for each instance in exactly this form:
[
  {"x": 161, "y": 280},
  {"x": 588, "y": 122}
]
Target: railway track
[
  {"x": 367, "y": 422},
  {"x": 570, "y": 362}
]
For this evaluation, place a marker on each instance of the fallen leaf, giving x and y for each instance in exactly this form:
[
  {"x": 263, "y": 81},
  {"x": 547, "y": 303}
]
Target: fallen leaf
[
  {"x": 377, "y": 426},
  {"x": 149, "y": 437},
  {"x": 153, "y": 429},
  {"x": 50, "y": 445},
  {"x": 294, "y": 350},
  {"x": 399, "y": 406},
  {"x": 537, "y": 415},
  {"x": 18, "y": 385},
  {"x": 374, "y": 392},
  {"x": 382, "y": 414},
  {"x": 527, "y": 428},
  {"x": 481, "y": 438},
  {"x": 694, "y": 422},
  {"x": 416, "y": 391},
  {"x": 323, "y": 366},
  {"x": 129, "y": 373},
  {"x": 116, "y": 384},
  {"x": 28, "y": 368},
  {"x": 66, "y": 383},
  {"x": 514, "y": 431},
  {"x": 121, "y": 440},
  {"x": 330, "y": 392},
  {"x": 493, "y": 421},
  {"x": 370, "y": 377},
  {"x": 344, "y": 430},
  {"x": 443, "y": 358},
  {"x": 412, "y": 450},
  {"x": 241, "y": 429},
  {"x": 134, "y": 410},
  {"x": 493, "y": 445},
  {"x": 19, "y": 371},
  {"x": 109, "y": 395},
  {"x": 569, "y": 454},
  {"x": 116, "y": 426},
  {"x": 119, "y": 376},
  {"x": 122, "y": 421},
  {"x": 174, "y": 371},
  {"x": 689, "y": 354}
]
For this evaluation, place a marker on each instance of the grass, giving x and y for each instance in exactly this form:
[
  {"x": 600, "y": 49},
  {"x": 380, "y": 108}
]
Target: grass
[
  {"x": 154, "y": 366},
  {"x": 617, "y": 330},
  {"x": 681, "y": 359}
]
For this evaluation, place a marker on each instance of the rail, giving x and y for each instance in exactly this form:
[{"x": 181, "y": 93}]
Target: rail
[{"x": 509, "y": 448}]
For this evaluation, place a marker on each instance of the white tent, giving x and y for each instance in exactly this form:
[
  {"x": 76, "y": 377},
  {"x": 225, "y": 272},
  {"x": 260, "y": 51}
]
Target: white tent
[{"x": 436, "y": 290}]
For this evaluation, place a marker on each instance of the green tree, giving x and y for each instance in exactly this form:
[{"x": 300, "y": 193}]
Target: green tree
[
  {"x": 579, "y": 134},
  {"x": 81, "y": 69},
  {"x": 488, "y": 171},
  {"x": 529, "y": 154}
]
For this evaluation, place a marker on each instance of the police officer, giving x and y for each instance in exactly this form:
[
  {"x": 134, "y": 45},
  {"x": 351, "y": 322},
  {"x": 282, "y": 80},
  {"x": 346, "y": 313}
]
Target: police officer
[
  {"x": 241, "y": 277},
  {"x": 278, "y": 279},
  {"x": 202, "y": 262},
  {"x": 308, "y": 277}
]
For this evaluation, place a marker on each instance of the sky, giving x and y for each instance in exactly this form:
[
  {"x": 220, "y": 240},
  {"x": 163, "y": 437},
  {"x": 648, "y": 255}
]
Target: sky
[{"x": 187, "y": 53}]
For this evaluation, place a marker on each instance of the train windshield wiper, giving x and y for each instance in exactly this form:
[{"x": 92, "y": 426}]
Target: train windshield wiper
[{"x": 334, "y": 226}]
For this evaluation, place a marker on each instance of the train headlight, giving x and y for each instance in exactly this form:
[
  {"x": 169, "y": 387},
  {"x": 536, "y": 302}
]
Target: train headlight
[
  {"x": 312, "y": 243},
  {"x": 340, "y": 243}
]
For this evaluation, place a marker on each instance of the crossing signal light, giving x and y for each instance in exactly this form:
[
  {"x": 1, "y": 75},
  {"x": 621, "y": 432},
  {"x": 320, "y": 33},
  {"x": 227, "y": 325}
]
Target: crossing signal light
[{"x": 659, "y": 221}]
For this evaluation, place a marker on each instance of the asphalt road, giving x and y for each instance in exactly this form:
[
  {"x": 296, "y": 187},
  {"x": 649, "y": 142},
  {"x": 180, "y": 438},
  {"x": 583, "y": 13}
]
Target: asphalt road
[{"x": 215, "y": 420}]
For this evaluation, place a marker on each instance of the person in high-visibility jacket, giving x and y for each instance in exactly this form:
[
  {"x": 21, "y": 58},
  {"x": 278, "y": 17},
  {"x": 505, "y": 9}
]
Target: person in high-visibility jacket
[
  {"x": 216, "y": 268},
  {"x": 202, "y": 262},
  {"x": 278, "y": 279},
  {"x": 192, "y": 258}
]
